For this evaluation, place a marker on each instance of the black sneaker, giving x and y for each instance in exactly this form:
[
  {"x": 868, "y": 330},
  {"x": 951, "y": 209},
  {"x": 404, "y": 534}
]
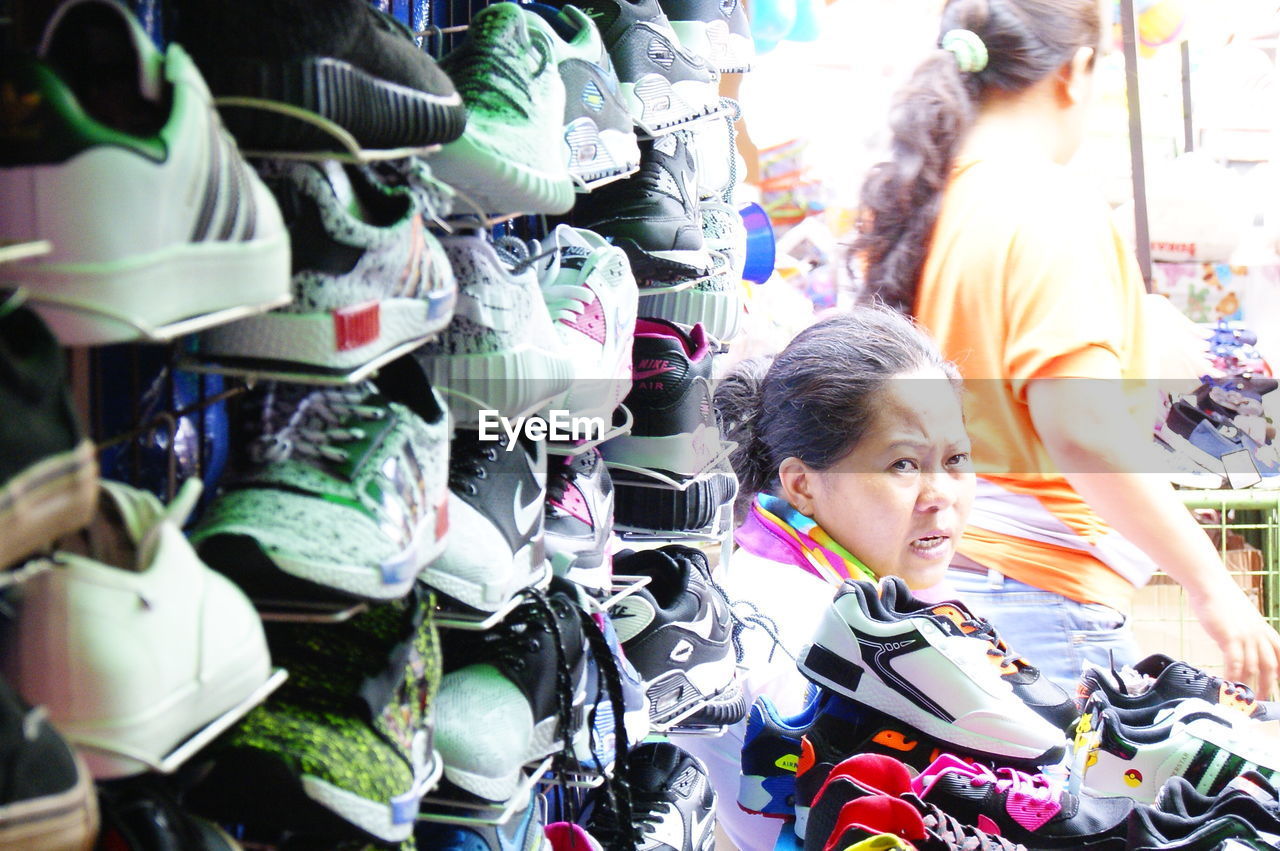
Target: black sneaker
[
  {"x": 143, "y": 814},
  {"x": 495, "y": 546},
  {"x": 1163, "y": 681},
  {"x": 1152, "y": 830},
  {"x": 1037, "y": 691},
  {"x": 513, "y": 695},
  {"x": 344, "y": 61},
  {"x": 653, "y": 215},
  {"x": 699, "y": 505},
  {"x": 676, "y": 631},
  {"x": 716, "y": 30},
  {"x": 578, "y": 519},
  {"x": 46, "y": 794},
  {"x": 1249, "y": 796},
  {"x": 673, "y": 803},
  {"x": 663, "y": 84},
  {"x": 675, "y": 430},
  {"x": 48, "y": 471}
]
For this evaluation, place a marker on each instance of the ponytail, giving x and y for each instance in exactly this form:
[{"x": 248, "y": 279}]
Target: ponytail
[{"x": 738, "y": 400}]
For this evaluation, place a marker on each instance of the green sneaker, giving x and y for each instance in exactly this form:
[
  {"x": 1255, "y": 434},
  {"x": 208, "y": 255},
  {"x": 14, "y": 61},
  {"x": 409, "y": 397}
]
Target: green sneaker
[{"x": 345, "y": 748}]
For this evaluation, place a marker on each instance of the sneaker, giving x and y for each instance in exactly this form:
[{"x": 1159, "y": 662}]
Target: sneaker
[
  {"x": 592, "y": 297},
  {"x": 340, "y": 493},
  {"x": 861, "y": 821},
  {"x": 515, "y": 695},
  {"x": 578, "y": 519},
  {"x": 1030, "y": 809},
  {"x": 501, "y": 351},
  {"x": 345, "y": 62},
  {"x": 714, "y": 302},
  {"x": 715, "y": 30},
  {"x": 48, "y": 471},
  {"x": 653, "y": 215},
  {"x": 664, "y": 85},
  {"x": 370, "y": 282},
  {"x": 1243, "y": 797},
  {"x": 677, "y": 632},
  {"x": 868, "y": 777},
  {"x": 1210, "y": 438},
  {"x": 1152, "y": 830},
  {"x": 599, "y": 141},
  {"x": 346, "y": 744},
  {"x": 48, "y": 802},
  {"x": 129, "y": 640},
  {"x": 509, "y": 160},
  {"x": 702, "y": 504},
  {"x": 491, "y": 553},
  {"x": 1164, "y": 681},
  {"x": 924, "y": 669},
  {"x": 171, "y": 199},
  {"x": 1206, "y": 744},
  {"x": 673, "y": 802},
  {"x": 522, "y": 832},
  {"x": 1044, "y": 696},
  {"x": 674, "y": 431},
  {"x": 144, "y": 813}
]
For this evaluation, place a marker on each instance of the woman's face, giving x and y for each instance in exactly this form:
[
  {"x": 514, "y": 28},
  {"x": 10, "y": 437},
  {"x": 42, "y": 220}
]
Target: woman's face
[{"x": 900, "y": 500}]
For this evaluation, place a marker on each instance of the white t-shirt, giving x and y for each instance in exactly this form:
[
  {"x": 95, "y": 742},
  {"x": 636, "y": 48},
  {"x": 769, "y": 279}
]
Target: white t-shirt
[{"x": 794, "y": 599}]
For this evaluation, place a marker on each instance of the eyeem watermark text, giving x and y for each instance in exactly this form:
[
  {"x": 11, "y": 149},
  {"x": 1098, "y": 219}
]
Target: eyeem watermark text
[{"x": 557, "y": 426}]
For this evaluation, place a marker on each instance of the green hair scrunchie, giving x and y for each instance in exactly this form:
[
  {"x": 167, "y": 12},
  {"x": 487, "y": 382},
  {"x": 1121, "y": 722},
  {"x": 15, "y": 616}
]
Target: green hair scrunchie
[{"x": 967, "y": 46}]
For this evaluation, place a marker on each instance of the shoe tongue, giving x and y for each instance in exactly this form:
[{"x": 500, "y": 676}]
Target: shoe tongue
[
  {"x": 883, "y": 814},
  {"x": 1154, "y": 665},
  {"x": 876, "y": 771},
  {"x": 952, "y": 613}
]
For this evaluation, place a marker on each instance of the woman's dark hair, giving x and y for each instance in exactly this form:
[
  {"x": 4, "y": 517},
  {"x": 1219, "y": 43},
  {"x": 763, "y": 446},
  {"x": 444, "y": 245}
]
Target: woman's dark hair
[
  {"x": 1026, "y": 40},
  {"x": 815, "y": 400}
]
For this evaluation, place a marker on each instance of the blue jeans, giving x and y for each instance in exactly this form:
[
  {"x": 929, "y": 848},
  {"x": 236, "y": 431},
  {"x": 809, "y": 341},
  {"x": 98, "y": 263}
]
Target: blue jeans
[{"x": 1052, "y": 632}]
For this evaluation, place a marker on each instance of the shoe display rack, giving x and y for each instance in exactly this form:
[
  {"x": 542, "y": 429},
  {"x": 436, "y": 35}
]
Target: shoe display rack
[{"x": 414, "y": 634}]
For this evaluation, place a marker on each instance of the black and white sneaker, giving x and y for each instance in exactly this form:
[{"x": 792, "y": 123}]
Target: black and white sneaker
[
  {"x": 495, "y": 546},
  {"x": 663, "y": 84},
  {"x": 677, "y": 632},
  {"x": 579, "y": 518},
  {"x": 653, "y": 215},
  {"x": 673, "y": 803},
  {"x": 716, "y": 30}
]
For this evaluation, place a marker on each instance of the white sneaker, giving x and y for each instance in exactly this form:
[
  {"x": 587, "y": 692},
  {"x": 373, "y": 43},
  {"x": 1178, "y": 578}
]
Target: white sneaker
[
  {"x": 136, "y": 646},
  {"x": 924, "y": 669},
  {"x": 1208, "y": 745},
  {"x": 153, "y": 215},
  {"x": 593, "y": 298}
]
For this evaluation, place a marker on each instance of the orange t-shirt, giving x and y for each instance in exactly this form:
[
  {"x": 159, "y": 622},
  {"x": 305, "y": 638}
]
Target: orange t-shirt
[{"x": 1027, "y": 278}]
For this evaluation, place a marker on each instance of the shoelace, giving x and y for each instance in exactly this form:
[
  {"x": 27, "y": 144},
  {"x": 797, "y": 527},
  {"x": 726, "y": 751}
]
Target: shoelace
[
  {"x": 312, "y": 424},
  {"x": 566, "y": 301},
  {"x": 962, "y": 837},
  {"x": 468, "y": 461},
  {"x": 985, "y": 630},
  {"x": 1016, "y": 782}
]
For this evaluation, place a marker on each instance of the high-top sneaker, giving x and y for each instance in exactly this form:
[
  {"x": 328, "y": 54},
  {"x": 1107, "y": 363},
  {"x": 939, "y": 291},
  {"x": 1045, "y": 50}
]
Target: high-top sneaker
[
  {"x": 509, "y": 159},
  {"x": 653, "y": 215},
  {"x": 676, "y": 631},
  {"x": 340, "y": 493},
  {"x": 673, "y": 802},
  {"x": 592, "y": 297},
  {"x": 369, "y": 280},
  {"x": 345, "y": 745},
  {"x": 495, "y": 546},
  {"x": 513, "y": 694},
  {"x": 501, "y": 351},
  {"x": 599, "y": 140},
  {"x": 664, "y": 85},
  {"x": 716, "y": 30},
  {"x": 579, "y": 518}
]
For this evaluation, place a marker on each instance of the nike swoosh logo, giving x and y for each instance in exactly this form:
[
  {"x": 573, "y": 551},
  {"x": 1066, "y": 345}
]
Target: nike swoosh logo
[
  {"x": 642, "y": 374},
  {"x": 705, "y": 622},
  {"x": 526, "y": 515}
]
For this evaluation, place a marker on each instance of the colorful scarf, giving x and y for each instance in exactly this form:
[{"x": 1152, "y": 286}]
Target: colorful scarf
[{"x": 776, "y": 531}]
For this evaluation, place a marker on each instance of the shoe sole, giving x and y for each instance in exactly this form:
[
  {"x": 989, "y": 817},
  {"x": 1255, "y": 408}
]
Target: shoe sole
[
  {"x": 499, "y": 183},
  {"x": 869, "y": 691},
  {"x": 484, "y": 597},
  {"x": 663, "y": 265},
  {"x": 53, "y": 497},
  {"x": 379, "y": 114},
  {"x": 674, "y": 691},
  {"x": 515, "y": 382},
  {"x": 64, "y": 822},
  {"x": 719, "y": 312},
  {"x": 316, "y": 340},
  {"x": 682, "y": 455},
  {"x": 91, "y": 304},
  {"x": 592, "y": 153},
  {"x": 391, "y": 821},
  {"x": 642, "y": 507}
]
